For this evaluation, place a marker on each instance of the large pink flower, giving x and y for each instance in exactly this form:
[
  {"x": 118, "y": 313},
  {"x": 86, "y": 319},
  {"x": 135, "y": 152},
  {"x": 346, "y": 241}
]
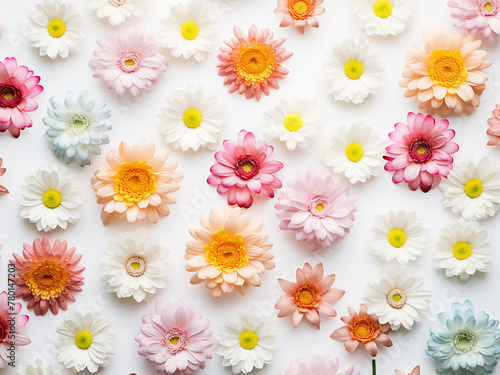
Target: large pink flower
[
  {"x": 421, "y": 152},
  {"x": 318, "y": 365},
  {"x": 175, "y": 338},
  {"x": 129, "y": 61},
  {"x": 3, "y": 189},
  {"x": 18, "y": 87},
  {"x": 300, "y": 13},
  {"x": 317, "y": 207},
  {"x": 252, "y": 64},
  {"x": 244, "y": 169},
  {"x": 477, "y": 16},
  {"x": 494, "y": 127}
]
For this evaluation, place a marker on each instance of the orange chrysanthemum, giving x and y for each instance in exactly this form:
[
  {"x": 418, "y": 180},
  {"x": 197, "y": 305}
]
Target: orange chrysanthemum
[{"x": 300, "y": 13}]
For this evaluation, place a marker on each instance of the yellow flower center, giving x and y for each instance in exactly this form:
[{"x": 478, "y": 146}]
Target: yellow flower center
[
  {"x": 56, "y": 28},
  {"x": 353, "y": 69},
  {"x": 462, "y": 250},
  {"x": 174, "y": 340},
  {"x": 47, "y": 279},
  {"x": 189, "y": 30},
  {"x": 9, "y": 95},
  {"x": 134, "y": 182},
  {"x": 473, "y": 188},
  {"x": 247, "y": 167},
  {"x": 362, "y": 330},
  {"x": 488, "y": 7},
  {"x": 354, "y": 152},
  {"x": 192, "y": 118},
  {"x": 226, "y": 252},
  {"x": 135, "y": 266},
  {"x": 293, "y": 122},
  {"x": 52, "y": 199},
  {"x": 447, "y": 68},
  {"x": 319, "y": 207},
  {"x": 248, "y": 340},
  {"x": 396, "y": 298},
  {"x": 300, "y": 7},
  {"x": 305, "y": 297},
  {"x": 397, "y": 238},
  {"x": 254, "y": 63},
  {"x": 382, "y": 8},
  {"x": 83, "y": 339},
  {"x": 129, "y": 62}
]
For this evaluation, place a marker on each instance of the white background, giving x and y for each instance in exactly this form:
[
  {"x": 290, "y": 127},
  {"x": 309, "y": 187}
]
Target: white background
[{"x": 351, "y": 259}]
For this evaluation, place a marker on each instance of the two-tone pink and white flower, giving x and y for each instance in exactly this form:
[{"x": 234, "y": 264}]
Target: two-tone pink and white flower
[{"x": 477, "y": 17}]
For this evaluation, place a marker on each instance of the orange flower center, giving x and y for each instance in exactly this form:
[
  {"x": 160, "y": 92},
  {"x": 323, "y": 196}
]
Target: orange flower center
[
  {"x": 255, "y": 64},
  {"x": 305, "y": 297},
  {"x": 299, "y": 9},
  {"x": 134, "y": 182},
  {"x": 226, "y": 252},
  {"x": 47, "y": 279},
  {"x": 447, "y": 68},
  {"x": 363, "y": 331}
]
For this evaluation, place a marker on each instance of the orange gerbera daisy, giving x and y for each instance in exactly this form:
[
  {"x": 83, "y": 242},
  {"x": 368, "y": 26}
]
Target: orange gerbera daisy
[
  {"x": 136, "y": 184},
  {"x": 300, "y": 13}
]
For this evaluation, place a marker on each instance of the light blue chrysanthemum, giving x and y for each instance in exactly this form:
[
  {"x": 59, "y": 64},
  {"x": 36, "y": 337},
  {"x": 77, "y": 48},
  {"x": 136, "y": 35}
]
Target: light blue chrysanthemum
[
  {"x": 77, "y": 126},
  {"x": 465, "y": 342}
]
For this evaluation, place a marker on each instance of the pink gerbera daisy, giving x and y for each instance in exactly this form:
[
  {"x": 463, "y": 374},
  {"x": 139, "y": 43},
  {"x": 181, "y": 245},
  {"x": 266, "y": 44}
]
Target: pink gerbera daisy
[
  {"x": 252, "y": 64},
  {"x": 244, "y": 169},
  {"x": 310, "y": 296},
  {"x": 175, "y": 338},
  {"x": 48, "y": 277},
  {"x": 415, "y": 371},
  {"x": 494, "y": 127},
  {"x": 421, "y": 152},
  {"x": 318, "y": 365},
  {"x": 477, "y": 16},
  {"x": 300, "y": 13},
  {"x": 317, "y": 207},
  {"x": 18, "y": 88},
  {"x": 129, "y": 61},
  {"x": 2, "y": 171}
]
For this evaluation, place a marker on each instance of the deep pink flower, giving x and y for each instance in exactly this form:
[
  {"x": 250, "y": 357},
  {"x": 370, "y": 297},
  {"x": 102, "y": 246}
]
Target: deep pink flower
[
  {"x": 494, "y": 127},
  {"x": 3, "y": 189},
  {"x": 18, "y": 87},
  {"x": 245, "y": 168},
  {"x": 421, "y": 152},
  {"x": 477, "y": 16}
]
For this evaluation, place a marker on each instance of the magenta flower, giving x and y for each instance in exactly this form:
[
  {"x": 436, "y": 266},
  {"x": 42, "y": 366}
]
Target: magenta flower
[
  {"x": 244, "y": 169},
  {"x": 18, "y": 87},
  {"x": 421, "y": 152},
  {"x": 477, "y": 17}
]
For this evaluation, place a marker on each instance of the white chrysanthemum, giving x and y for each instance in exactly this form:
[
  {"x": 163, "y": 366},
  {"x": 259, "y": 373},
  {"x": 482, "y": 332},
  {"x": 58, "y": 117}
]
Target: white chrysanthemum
[
  {"x": 464, "y": 249},
  {"x": 352, "y": 71},
  {"x": 117, "y": 11},
  {"x": 355, "y": 151},
  {"x": 56, "y": 28},
  {"x": 50, "y": 199},
  {"x": 473, "y": 189},
  {"x": 193, "y": 118},
  {"x": 39, "y": 367},
  {"x": 135, "y": 265},
  {"x": 77, "y": 126},
  {"x": 382, "y": 17},
  {"x": 295, "y": 120},
  {"x": 246, "y": 342},
  {"x": 190, "y": 29},
  {"x": 396, "y": 297},
  {"x": 85, "y": 341},
  {"x": 399, "y": 235}
]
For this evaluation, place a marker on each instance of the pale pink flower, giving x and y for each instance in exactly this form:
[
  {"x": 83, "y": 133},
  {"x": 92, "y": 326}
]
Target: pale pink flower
[
  {"x": 421, "y": 152},
  {"x": 477, "y": 17},
  {"x": 243, "y": 169},
  {"x": 319, "y": 365},
  {"x": 494, "y": 127},
  {"x": 415, "y": 371},
  {"x": 300, "y": 13},
  {"x": 3, "y": 189}
]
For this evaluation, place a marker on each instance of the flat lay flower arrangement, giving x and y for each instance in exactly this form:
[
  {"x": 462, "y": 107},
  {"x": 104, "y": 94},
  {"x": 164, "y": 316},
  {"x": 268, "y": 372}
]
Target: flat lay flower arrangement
[{"x": 293, "y": 187}]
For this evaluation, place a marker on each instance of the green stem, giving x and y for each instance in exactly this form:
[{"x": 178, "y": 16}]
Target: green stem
[{"x": 374, "y": 368}]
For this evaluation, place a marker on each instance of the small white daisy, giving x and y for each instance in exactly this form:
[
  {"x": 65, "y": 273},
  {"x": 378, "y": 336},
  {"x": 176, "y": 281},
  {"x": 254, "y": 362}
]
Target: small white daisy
[
  {"x": 355, "y": 151},
  {"x": 56, "y": 28},
  {"x": 396, "y": 297},
  {"x": 246, "y": 342},
  {"x": 85, "y": 341},
  {"x": 117, "y": 11},
  {"x": 473, "y": 189},
  {"x": 50, "y": 199},
  {"x": 464, "y": 249},
  {"x": 193, "y": 118},
  {"x": 135, "y": 265},
  {"x": 190, "y": 29},
  {"x": 399, "y": 235},
  {"x": 295, "y": 119},
  {"x": 352, "y": 71},
  {"x": 382, "y": 17},
  {"x": 39, "y": 367}
]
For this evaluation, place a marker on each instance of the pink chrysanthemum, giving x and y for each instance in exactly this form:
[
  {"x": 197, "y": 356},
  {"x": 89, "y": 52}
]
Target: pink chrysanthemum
[
  {"x": 300, "y": 13},
  {"x": 175, "y": 338},
  {"x": 18, "y": 88},
  {"x": 8, "y": 310},
  {"x": 310, "y": 296},
  {"x": 477, "y": 17},
  {"x": 319, "y": 365},
  {"x": 252, "y": 64},
  {"x": 494, "y": 127},
  {"x": 244, "y": 169},
  {"x": 48, "y": 277},
  {"x": 3, "y": 189},
  {"x": 129, "y": 61},
  {"x": 317, "y": 207},
  {"x": 421, "y": 152}
]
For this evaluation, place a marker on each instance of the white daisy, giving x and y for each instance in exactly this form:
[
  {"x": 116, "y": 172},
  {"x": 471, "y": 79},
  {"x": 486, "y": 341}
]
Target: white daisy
[
  {"x": 382, "y": 17},
  {"x": 77, "y": 126},
  {"x": 117, "y": 11},
  {"x": 193, "y": 118},
  {"x": 135, "y": 265},
  {"x": 190, "y": 29},
  {"x": 50, "y": 199},
  {"x": 399, "y": 235},
  {"x": 246, "y": 342},
  {"x": 56, "y": 28},
  {"x": 396, "y": 297},
  {"x": 463, "y": 249},
  {"x": 352, "y": 71},
  {"x": 85, "y": 341},
  {"x": 355, "y": 151},
  {"x": 473, "y": 189},
  {"x": 294, "y": 119},
  {"x": 39, "y": 367}
]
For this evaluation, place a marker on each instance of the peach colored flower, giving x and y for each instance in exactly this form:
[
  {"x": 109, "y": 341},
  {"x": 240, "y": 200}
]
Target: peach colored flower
[
  {"x": 309, "y": 296},
  {"x": 494, "y": 127},
  {"x": 229, "y": 252},
  {"x": 300, "y": 13},
  {"x": 362, "y": 328},
  {"x": 415, "y": 371},
  {"x": 3, "y": 189},
  {"x": 136, "y": 184}
]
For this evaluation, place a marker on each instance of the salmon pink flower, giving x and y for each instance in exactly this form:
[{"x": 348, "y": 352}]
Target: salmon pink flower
[
  {"x": 2, "y": 171},
  {"x": 300, "y": 13},
  {"x": 494, "y": 127},
  {"x": 477, "y": 17},
  {"x": 415, "y": 371}
]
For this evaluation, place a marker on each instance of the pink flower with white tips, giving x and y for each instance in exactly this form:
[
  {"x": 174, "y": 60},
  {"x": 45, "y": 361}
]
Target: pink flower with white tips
[
  {"x": 421, "y": 152},
  {"x": 477, "y": 17}
]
